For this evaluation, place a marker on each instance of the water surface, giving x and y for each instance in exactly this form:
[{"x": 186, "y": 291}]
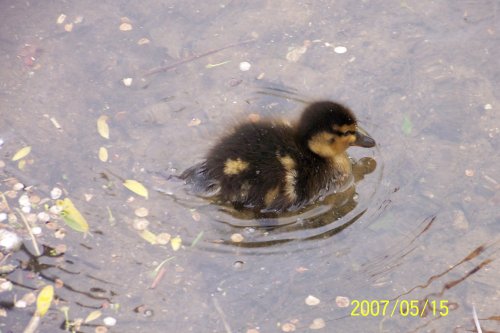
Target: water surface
[{"x": 422, "y": 78}]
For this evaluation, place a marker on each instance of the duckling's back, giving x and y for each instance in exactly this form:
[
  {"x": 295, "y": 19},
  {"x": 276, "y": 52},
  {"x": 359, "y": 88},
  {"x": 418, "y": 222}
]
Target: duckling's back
[{"x": 253, "y": 167}]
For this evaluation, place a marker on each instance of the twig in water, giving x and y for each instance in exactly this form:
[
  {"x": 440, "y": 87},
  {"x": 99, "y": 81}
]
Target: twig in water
[
  {"x": 222, "y": 315},
  {"x": 476, "y": 320},
  {"x": 33, "y": 239},
  {"x": 33, "y": 324},
  {"x": 159, "y": 272},
  {"x": 158, "y": 277},
  {"x": 195, "y": 57}
]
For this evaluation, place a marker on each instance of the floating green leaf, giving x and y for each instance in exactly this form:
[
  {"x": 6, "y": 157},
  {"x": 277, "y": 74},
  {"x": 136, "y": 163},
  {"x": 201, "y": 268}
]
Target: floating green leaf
[{"x": 72, "y": 216}]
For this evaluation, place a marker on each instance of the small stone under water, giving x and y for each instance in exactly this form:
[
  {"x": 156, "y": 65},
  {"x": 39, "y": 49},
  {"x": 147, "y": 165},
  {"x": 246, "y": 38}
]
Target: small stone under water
[{"x": 238, "y": 264}]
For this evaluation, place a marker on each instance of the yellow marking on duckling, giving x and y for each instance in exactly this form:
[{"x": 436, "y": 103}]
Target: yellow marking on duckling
[
  {"x": 271, "y": 195},
  {"x": 290, "y": 176},
  {"x": 333, "y": 148},
  {"x": 328, "y": 145},
  {"x": 234, "y": 167},
  {"x": 287, "y": 162},
  {"x": 321, "y": 144}
]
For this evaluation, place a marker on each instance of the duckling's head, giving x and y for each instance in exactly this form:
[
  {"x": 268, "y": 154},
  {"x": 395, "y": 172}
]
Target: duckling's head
[{"x": 328, "y": 129}]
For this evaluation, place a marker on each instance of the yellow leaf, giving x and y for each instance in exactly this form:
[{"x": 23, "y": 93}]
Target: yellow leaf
[
  {"x": 44, "y": 299},
  {"x": 21, "y": 164},
  {"x": 72, "y": 216},
  {"x": 21, "y": 153},
  {"x": 176, "y": 243},
  {"x": 148, "y": 236},
  {"x": 92, "y": 316},
  {"x": 136, "y": 187},
  {"x": 103, "y": 154},
  {"x": 102, "y": 126},
  {"x": 216, "y": 65}
]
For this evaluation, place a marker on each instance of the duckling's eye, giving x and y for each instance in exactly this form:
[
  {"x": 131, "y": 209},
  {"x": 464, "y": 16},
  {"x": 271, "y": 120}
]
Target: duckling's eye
[{"x": 346, "y": 133}]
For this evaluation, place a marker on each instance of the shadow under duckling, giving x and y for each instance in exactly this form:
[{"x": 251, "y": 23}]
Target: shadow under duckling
[{"x": 273, "y": 166}]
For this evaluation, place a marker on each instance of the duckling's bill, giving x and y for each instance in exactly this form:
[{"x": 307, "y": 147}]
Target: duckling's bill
[{"x": 363, "y": 139}]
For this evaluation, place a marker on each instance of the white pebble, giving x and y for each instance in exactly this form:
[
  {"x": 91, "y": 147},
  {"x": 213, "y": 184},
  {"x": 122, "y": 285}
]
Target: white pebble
[
  {"x": 488, "y": 107},
  {"x": 6, "y": 286},
  {"x": 18, "y": 186},
  {"x": 43, "y": 217},
  {"x": 31, "y": 218},
  {"x": 127, "y": 81},
  {"x": 36, "y": 230},
  {"x": 3, "y": 217},
  {"x": 12, "y": 218},
  {"x": 55, "y": 193},
  {"x": 109, "y": 321},
  {"x": 245, "y": 66},
  {"x": 26, "y": 209},
  {"x": 9, "y": 241},
  {"x": 24, "y": 201},
  {"x": 55, "y": 209},
  {"x": 317, "y": 324},
  {"x": 312, "y": 301},
  {"x": 342, "y": 301},
  {"x": 140, "y": 224},
  {"x": 61, "y": 19},
  {"x": 20, "y": 304},
  {"x": 340, "y": 49}
]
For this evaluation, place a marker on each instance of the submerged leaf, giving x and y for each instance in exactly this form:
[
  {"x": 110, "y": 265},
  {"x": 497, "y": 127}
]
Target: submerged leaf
[
  {"x": 176, "y": 243},
  {"x": 197, "y": 239},
  {"x": 93, "y": 316},
  {"x": 136, "y": 187},
  {"x": 21, "y": 164},
  {"x": 407, "y": 126},
  {"x": 44, "y": 300},
  {"x": 72, "y": 216},
  {"x": 148, "y": 236},
  {"x": 102, "y": 126},
  {"x": 21, "y": 153},
  {"x": 103, "y": 154}
]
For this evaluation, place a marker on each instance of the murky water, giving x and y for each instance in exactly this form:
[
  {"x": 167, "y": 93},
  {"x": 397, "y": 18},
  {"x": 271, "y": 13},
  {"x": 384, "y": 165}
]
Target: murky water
[{"x": 422, "y": 226}]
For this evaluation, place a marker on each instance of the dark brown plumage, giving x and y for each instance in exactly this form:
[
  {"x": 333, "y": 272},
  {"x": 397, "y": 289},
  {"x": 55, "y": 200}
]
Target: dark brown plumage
[{"x": 272, "y": 166}]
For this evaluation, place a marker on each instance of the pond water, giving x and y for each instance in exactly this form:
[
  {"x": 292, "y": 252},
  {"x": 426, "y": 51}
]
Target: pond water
[{"x": 417, "y": 238}]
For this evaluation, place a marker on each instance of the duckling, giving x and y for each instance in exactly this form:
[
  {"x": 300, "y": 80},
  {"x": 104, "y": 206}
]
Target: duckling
[{"x": 274, "y": 166}]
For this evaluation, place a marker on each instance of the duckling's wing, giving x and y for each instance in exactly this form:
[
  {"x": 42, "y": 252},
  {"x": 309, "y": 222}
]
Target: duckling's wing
[{"x": 199, "y": 181}]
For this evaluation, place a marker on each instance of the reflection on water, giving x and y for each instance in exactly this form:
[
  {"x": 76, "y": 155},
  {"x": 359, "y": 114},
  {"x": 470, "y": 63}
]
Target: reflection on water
[{"x": 322, "y": 219}]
